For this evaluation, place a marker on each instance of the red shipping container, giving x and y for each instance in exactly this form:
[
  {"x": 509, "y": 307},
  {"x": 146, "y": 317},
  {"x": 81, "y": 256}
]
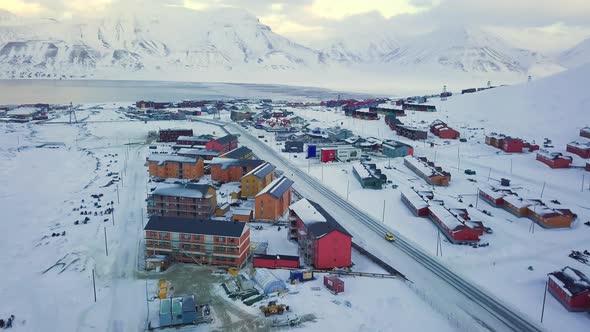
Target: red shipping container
[
  {"x": 327, "y": 155},
  {"x": 334, "y": 284}
]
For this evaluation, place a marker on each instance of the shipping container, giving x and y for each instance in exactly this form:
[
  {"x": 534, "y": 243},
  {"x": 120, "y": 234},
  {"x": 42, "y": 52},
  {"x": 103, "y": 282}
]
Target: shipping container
[
  {"x": 311, "y": 151},
  {"x": 327, "y": 155},
  {"x": 334, "y": 284},
  {"x": 165, "y": 314}
]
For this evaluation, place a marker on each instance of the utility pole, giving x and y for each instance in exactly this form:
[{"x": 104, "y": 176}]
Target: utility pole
[
  {"x": 347, "y": 189},
  {"x": 510, "y": 166},
  {"x": 543, "y": 190},
  {"x": 118, "y": 202},
  {"x": 113, "y": 215},
  {"x": 94, "y": 285},
  {"x": 383, "y": 217},
  {"x": 476, "y": 198},
  {"x": 458, "y": 156},
  {"x": 583, "y": 180},
  {"x": 489, "y": 174},
  {"x": 544, "y": 298},
  {"x": 106, "y": 246}
]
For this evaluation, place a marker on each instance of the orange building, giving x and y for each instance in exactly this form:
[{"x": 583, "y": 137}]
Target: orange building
[
  {"x": 215, "y": 242},
  {"x": 257, "y": 179},
  {"x": 274, "y": 200},
  {"x": 231, "y": 170},
  {"x": 179, "y": 167}
]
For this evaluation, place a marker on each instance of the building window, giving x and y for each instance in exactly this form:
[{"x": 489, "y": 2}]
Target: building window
[
  {"x": 186, "y": 236},
  {"x": 163, "y": 234},
  {"x": 220, "y": 239},
  {"x": 232, "y": 240},
  {"x": 186, "y": 246}
]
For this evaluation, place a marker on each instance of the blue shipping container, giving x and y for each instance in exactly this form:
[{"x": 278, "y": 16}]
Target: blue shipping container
[
  {"x": 311, "y": 151},
  {"x": 296, "y": 275}
]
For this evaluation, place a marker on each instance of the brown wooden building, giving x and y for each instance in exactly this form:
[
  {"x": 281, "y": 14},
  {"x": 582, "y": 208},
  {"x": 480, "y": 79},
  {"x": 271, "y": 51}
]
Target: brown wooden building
[
  {"x": 274, "y": 200},
  {"x": 212, "y": 242},
  {"x": 232, "y": 170},
  {"x": 183, "y": 200}
]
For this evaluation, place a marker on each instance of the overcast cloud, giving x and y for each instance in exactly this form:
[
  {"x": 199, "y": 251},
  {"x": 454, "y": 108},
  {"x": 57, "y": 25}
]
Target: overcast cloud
[{"x": 545, "y": 25}]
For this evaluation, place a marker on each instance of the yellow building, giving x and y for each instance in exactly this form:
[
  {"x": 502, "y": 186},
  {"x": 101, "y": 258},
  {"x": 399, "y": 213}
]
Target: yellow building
[{"x": 256, "y": 180}]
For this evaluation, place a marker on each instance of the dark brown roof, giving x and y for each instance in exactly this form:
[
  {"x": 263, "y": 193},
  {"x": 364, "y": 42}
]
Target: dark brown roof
[{"x": 195, "y": 226}]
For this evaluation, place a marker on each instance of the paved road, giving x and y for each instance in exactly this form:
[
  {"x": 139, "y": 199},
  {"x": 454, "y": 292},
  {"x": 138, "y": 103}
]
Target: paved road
[{"x": 465, "y": 304}]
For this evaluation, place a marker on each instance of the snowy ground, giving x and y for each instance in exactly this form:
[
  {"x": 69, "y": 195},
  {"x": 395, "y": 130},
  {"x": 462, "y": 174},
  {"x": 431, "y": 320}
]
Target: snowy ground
[
  {"x": 501, "y": 267},
  {"x": 42, "y": 191}
]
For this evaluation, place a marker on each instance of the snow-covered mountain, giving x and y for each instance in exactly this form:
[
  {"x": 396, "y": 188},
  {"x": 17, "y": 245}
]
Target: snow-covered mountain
[
  {"x": 576, "y": 56},
  {"x": 455, "y": 51},
  {"x": 221, "y": 39},
  {"x": 229, "y": 44}
]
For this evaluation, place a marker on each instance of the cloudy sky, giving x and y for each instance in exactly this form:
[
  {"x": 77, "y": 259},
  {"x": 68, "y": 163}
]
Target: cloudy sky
[{"x": 544, "y": 25}]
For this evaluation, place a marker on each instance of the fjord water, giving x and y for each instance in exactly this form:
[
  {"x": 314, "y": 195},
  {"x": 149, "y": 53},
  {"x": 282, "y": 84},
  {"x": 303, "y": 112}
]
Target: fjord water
[{"x": 102, "y": 91}]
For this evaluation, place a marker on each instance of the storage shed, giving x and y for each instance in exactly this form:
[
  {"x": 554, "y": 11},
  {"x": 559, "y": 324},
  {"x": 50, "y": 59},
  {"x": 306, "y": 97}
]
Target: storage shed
[
  {"x": 276, "y": 261},
  {"x": 268, "y": 282},
  {"x": 571, "y": 287},
  {"x": 327, "y": 155},
  {"x": 334, "y": 284},
  {"x": 554, "y": 159}
]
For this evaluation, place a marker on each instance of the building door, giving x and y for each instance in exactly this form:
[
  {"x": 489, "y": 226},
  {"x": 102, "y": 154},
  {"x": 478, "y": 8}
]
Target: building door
[{"x": 175, "y": 241}]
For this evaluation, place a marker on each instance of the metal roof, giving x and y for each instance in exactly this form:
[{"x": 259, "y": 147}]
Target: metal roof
[
  {"x": 195, "y": 226},
  {"x": 277, "y": 188},
  {"x": 226, "y": 139},
  {"x": 316, "y": 220},
  {"x": 262, "y": 170},
  {"x": 238, "y": 153},
  {"x": 228, "y": 162},
  {"x": 572, "y": 280},
  {"x": 191, "y": 190},
  {"x": 319, "y": 229}
]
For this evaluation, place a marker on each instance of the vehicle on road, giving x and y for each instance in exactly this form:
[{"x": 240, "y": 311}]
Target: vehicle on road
[{"x": 389, "y": 237}]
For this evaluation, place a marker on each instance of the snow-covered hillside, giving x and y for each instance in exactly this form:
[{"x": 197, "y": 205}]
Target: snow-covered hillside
[
  {"x": 554, "y": 107},
  {"x": 577, "y": 55}
]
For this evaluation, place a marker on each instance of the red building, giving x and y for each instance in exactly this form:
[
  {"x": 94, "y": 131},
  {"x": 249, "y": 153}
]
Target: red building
[
  {"x": 416, "y": 203},
  {"x": 455, "y": 229},
  {"x": 223, "y": 144},
  {"x": 214, "y": 242},
  {"x": 585, "y": 132},
  {"x": 512, "y": 145},
  {"x": 440, "y": 129},
  {"x": 493, "y": 196},
  {"x": 323, "y": 242},
  {"x": 580, "y": 149},
  {"x": 554, "y": 159},
  {"x": 171, "y": 135},
  {"x": 571, "y": 287},
  {"x": 275, "y": 261},
  {"x": 327, "y": 155}
]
